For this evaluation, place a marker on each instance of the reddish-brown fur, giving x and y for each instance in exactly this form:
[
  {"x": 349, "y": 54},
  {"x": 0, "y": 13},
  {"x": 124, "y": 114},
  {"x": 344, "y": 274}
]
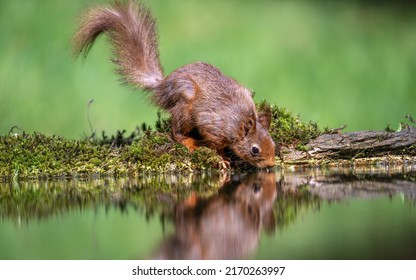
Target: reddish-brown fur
[
  {"x": 224, "y": 226},
  {"x": 207, "y": 108}
]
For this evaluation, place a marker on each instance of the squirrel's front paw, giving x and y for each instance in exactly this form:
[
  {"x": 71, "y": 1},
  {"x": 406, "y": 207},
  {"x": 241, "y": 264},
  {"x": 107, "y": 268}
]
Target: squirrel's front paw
[{"x": 224, "y": 164}]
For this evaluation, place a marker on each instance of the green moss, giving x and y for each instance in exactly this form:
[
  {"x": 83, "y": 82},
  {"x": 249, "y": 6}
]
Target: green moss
[
  {"x": 302, "y": 148},
  {"x": 25, "y": 156},
  {"x": 288, "y": 130},
  {"x": 34, "y": 156}
]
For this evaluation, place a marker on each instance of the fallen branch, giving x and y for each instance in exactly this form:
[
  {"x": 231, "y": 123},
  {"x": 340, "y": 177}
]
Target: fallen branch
[{"x": 355, "y": 145}]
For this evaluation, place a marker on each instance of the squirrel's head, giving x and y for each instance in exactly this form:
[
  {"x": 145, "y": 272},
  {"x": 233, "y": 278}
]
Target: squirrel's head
[{"x": 255, "y": 145}]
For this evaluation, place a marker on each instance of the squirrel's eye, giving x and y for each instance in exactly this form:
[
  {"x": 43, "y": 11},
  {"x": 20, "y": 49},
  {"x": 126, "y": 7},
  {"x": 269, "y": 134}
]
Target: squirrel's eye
[
  {"x": 255, "y": 151},
  {"x": 256, "y": 188}
]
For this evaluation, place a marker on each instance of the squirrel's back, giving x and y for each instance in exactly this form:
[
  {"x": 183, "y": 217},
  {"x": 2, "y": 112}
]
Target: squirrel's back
[
  {"x": 207, "y": 107},
  {"x": 132, "y": 32}
]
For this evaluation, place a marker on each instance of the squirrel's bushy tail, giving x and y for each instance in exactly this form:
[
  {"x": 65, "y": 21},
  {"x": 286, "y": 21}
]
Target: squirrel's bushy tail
[{"x": 132, "y": 32}]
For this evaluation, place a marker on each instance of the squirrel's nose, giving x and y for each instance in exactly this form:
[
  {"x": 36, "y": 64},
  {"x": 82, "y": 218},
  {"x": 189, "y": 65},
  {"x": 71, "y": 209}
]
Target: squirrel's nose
[
  {"x": 271, "y": 162},
  {"x": 267, "y": 163}
]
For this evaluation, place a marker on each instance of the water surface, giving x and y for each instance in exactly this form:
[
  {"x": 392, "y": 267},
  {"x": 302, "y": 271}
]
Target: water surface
[{"x": 300, "y": 214}]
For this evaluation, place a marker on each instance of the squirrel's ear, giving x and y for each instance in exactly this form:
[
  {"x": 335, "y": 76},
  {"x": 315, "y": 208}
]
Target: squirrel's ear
[
  {"x": 246, "y": 127},
  {"x": 249, "y": 126},
  {"x": 265, "y": 117}
]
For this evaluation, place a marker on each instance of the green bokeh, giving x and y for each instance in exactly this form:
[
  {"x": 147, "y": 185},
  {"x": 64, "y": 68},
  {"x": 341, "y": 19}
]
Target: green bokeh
[
  {"x": 376, "y": 228},
  {"x": 338, "y": 62},
  {"x": 99, "y": 233}
]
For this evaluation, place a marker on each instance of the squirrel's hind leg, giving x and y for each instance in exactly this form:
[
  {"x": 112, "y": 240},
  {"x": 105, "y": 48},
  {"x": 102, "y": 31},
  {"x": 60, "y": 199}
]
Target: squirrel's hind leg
[
  {"x": 183, "y": 131},
  {"x": 190, "y": 143}
]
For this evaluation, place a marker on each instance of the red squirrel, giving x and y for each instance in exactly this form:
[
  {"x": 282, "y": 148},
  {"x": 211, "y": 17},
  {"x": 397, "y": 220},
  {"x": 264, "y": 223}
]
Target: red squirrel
[{"x": 207, "y": 108}]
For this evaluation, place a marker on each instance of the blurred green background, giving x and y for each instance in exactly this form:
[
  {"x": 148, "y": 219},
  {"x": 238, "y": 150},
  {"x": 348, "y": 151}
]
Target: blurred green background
[{"x": 334, "y": 62}]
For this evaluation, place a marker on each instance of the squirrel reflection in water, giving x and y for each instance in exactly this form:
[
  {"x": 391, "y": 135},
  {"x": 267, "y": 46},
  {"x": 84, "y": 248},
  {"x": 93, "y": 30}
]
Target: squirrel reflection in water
[{"x": 225, "y": 226}]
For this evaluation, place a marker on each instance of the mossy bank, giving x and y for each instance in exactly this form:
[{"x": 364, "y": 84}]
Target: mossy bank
[
  {"x": 38, "y": 156},
  {"x": 25, "y": 156},
  {"x": 152, "y": 150}
]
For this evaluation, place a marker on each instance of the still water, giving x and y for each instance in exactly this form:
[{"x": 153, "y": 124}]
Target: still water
[{"x": 298, "y": 214}]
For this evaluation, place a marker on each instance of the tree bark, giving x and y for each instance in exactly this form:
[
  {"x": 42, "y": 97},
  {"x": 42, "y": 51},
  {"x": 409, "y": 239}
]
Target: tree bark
[{"x": 356, "y": 145}]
